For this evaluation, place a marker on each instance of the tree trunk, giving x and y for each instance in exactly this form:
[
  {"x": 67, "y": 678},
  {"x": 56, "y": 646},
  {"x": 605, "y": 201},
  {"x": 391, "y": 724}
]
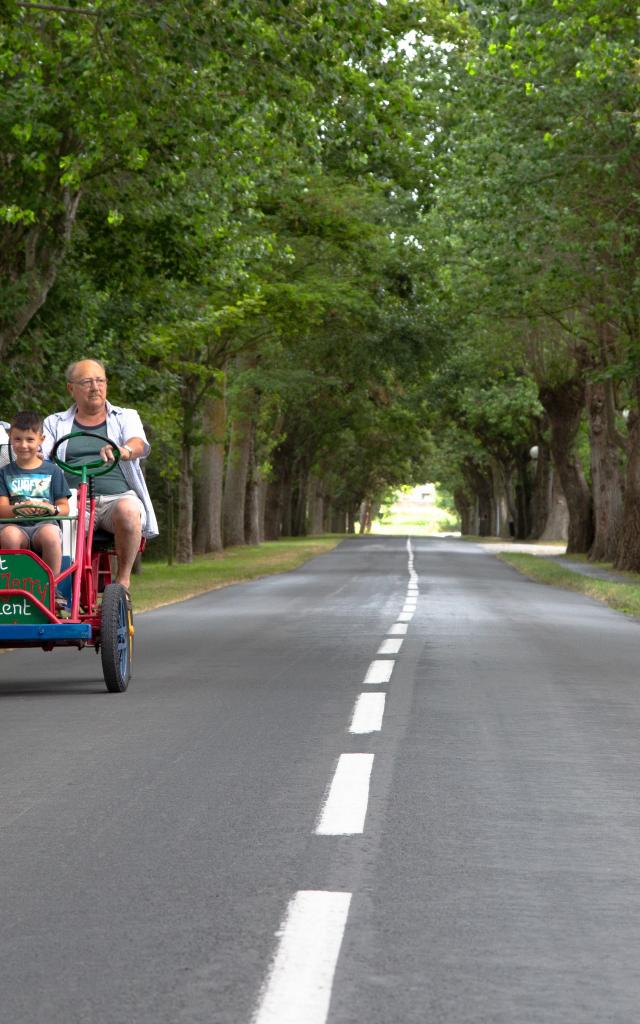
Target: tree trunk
[
  {"x": 501, "y": 512},
  {"x": 338, "y": 520},
  {"x": 273, "y": 510},
  {"x": 541, "y": 494},
  {"x": 522, "y": 498},
  {"x": 465, "y": 507},
  {"x": 252, "y": 499},
  {"x": 208, "y": 536},
  {"x": 286, "y": 523},
  {"x": 184, "y": 539},
  {"x": 299, "y": 524},
  {"x": 365, "y": 515},
  {"x": 262, "y": 504},
  {"x": 606, "y": 476},
  {"x": 564, "y": 405},
  {"x": 629, "y": 549},
  {"x": 481, "y": 486},
  {"x": 327, "y": 519},
  {"x": 316, "y": 506},
  {"x": 235, "y": 485},
  {"x": 557, "y": 524}
]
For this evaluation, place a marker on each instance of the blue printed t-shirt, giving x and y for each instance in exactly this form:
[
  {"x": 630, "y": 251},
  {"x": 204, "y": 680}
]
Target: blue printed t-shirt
[{"x": 46, "y": 482}]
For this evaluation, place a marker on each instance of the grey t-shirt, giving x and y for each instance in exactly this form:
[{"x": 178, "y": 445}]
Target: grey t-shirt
[{"x": 84, "y": 449}]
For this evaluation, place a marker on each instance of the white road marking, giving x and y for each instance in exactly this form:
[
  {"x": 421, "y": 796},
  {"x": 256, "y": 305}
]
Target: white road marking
[
  {"x": 368, "y": 713},
  {"x": 398, "y": 628},
  {"x": 405, "y": 616},
  {"x": 298, "y": 988},
  {"x": 390, "y": 646},
  {"x": 345, "y": 808},
  {"x": 379, "y": 672}
]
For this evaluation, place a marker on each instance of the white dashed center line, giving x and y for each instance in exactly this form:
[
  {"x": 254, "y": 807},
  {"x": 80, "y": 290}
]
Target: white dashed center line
[
  {"x": 390, "y": 646},
  {"x": 368, "y": 713},
  {"x": 298, "y": 988},
  {"x": 346, "y": 805},
  {"x": 398, "y": 629},
  {"x": 379, "y": 672}
]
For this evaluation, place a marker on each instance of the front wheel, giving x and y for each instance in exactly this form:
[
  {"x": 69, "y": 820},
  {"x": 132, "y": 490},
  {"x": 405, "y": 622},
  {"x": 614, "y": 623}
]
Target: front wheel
[{"x": 116, "y": 637}]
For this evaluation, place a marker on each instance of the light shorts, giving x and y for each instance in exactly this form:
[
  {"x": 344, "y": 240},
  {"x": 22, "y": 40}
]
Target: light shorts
[
  {"x": 31, "y": 529},
  {"x": 105, "y": 505}
]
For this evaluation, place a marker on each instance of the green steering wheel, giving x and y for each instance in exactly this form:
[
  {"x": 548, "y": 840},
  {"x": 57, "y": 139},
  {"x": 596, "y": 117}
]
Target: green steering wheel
[{"x": 96, "y": 468}]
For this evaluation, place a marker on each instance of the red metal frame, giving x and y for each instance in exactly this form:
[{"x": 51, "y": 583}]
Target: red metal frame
[{"x": 90, "y": 571}]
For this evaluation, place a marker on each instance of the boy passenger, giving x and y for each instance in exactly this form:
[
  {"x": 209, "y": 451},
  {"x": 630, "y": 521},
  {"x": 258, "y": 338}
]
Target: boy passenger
[{"x": 27, "y": 477}]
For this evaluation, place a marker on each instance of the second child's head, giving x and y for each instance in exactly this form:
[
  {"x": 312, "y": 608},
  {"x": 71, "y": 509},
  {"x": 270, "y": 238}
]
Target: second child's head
[{"x": 26, "y": 436}]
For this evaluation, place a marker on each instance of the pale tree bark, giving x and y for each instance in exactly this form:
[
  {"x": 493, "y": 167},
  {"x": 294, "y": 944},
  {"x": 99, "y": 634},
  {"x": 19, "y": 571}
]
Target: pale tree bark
[
  {"x": 557, "y": 525},
  {"x": 548, "y": 508},
  {"x": 365, "y": 515},
  {"x": 564, "y": 406},
  {"x": 352, "y": 515},
  {"x": 541, "y": 496},
  {"x": 208, "y": 535},
  {"x": 501, "y": 500}
]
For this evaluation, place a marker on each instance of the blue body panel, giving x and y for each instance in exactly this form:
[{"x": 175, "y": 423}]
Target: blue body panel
[{"x": 46, "y": 631}]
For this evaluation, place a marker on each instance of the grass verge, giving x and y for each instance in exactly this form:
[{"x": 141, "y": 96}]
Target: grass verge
[
  {"x": 622, "y": 597},
  {"x": 159, "y": 584}
]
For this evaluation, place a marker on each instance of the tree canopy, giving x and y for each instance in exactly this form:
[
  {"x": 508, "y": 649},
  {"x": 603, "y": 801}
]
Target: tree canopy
[{"x": 328, "y": 248}]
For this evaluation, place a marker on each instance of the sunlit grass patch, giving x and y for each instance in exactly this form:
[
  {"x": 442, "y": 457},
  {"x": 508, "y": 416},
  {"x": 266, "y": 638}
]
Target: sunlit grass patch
[
  {"x": 161, "y": 584},
  {"x": 622, "y": 596}
]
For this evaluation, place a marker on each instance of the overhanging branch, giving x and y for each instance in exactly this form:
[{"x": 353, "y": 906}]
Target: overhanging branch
[{"x": 58, "y": 9}]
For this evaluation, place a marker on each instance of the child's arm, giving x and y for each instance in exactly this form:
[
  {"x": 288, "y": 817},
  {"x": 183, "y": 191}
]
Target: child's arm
[
  {"x": 6, "y": 509},
  {"x": 60, "y": 491}
]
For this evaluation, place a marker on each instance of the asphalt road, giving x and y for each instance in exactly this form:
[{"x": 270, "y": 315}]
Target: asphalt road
[{"x": 217, "y": 845}]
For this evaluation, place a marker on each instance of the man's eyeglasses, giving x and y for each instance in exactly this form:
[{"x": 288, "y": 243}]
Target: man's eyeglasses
[{"x": 86, "y": 382}]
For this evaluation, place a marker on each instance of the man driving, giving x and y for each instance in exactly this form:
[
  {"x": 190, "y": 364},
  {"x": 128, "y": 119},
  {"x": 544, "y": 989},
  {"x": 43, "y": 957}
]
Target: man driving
[{"x": 123, "y": 505}]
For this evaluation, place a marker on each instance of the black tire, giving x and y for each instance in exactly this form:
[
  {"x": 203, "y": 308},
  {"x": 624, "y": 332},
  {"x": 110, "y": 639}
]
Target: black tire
[{"x": 116, "y": 637}]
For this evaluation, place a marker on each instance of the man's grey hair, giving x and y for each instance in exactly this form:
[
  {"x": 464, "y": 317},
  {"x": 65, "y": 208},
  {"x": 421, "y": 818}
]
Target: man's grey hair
[{"x": 71, "y": 368}]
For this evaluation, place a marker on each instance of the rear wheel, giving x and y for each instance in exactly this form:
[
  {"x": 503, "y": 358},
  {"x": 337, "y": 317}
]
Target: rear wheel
[{"x": 116, "y": 637}]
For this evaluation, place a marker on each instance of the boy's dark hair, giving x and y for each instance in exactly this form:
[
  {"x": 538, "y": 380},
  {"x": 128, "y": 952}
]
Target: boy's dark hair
[{"x": 27, "y": 420}]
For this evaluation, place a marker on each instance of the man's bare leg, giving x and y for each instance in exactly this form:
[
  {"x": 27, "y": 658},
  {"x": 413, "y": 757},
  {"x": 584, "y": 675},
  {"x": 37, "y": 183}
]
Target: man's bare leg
[{"x": 128, "y": 533}]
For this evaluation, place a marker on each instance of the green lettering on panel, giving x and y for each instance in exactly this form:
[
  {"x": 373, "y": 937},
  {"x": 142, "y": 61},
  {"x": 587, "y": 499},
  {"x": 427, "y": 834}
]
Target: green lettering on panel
[{"x": 19, "y": 571}]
